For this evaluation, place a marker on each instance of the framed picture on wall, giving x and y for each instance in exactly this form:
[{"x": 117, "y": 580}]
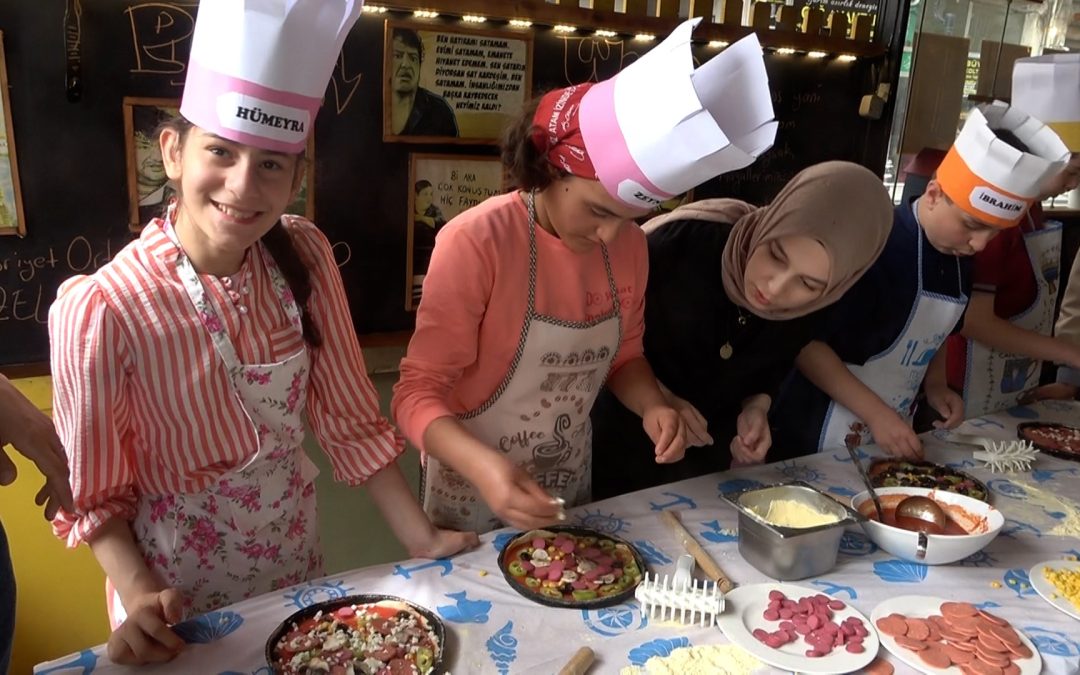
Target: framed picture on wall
[
  {"x": 12, "y": 220},
  {"x": 441, "y": 187},
  {"x": 149, "y": 190},
  {"x": 452, "y": 85}
]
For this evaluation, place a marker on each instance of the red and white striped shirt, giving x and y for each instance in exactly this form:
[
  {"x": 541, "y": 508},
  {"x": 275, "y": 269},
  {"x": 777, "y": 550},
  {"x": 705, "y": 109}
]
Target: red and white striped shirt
[{"x": 143, "y": 403}]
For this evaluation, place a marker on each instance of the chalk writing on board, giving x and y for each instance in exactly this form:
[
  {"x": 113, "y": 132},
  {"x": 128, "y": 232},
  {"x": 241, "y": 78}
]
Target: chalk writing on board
[
  {"x": 594, "y": 59},
  {"x": 22, "y": 294},
  {"x": 476, "y": 73},
  {"x": 159, "y": 35},
  {"x": 343, "y": 84},
  {"x": 342, "y": 253}
]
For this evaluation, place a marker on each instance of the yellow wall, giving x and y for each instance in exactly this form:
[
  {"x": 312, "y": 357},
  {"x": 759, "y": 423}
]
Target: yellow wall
[{"x": 50, "y": 577}]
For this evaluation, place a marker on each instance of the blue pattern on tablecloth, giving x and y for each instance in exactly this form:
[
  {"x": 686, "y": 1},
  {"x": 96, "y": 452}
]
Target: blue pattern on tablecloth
[
  {"x": 676, "y": 500},
  {"x": 1017, "y": 579},
  {"x": 836, "y": 589},
  {"x": 659, "y": 647},
  {"x": 616, "y": 620},
  {"x": 718, "y": 534},
  {"x": 651, "y": 553},
  {"x": 1013, "y": 528},
  {"x": 444, "y": 566},
  {"x": 500, "y": 539},
  {"x": 900, "y": 571},
  {"x": 737, "y": 485},
  {"x": 502, "y": 647},
  {"x": 608, "y": 523},
  {"x": 208, "y": 627},
  {"x": 86, "y": 659},
  {"x": 795, "y": 470},
  {"x": 316, "y": 591},
  {"x": 864, "y": 576},
  {"x": 1052, "y": 642},
  {"x": 979, "y": 559},
  {"x": 465, "y": 610},
  {"x": 857, "y": 544}
]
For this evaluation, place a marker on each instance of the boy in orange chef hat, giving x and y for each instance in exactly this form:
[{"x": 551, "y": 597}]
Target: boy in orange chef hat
[
  {"x": 859, "y": 384},
  {"x": 1009, "y": 323}
]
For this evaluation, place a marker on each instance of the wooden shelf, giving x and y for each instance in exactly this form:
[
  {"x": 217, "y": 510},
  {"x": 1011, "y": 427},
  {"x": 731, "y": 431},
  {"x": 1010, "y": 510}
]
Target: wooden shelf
[{"x": 548, "y": 14}]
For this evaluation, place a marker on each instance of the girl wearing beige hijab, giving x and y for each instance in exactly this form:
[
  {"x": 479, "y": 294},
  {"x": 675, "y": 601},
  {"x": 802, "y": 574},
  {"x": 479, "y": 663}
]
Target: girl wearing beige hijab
[{"x": 734, "y": 293}]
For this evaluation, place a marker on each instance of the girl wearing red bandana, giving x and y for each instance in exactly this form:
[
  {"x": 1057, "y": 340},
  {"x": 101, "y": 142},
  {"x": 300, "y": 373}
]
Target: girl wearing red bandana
[{"x": 532, "y": 302}]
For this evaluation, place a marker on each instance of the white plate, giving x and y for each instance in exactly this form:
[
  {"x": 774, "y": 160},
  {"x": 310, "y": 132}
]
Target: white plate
[
  {"x": 922, "y": 606},
  {"x": 1047, "y": 590},
  {"x": 743, "y": 608}
]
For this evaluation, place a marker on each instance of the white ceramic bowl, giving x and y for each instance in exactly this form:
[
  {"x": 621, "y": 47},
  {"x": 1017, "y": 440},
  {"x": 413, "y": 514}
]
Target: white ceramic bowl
[{"x": 982, "y": 520}]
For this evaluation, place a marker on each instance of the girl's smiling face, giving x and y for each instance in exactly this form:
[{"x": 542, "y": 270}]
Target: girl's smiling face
[{"x": 231, "y": 194}]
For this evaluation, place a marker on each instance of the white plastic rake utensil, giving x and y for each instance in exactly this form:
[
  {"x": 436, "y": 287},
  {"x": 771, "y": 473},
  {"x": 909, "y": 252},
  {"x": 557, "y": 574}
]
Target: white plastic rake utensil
[
  {"x": 1000, "y": 456},
  {"x": 680, "y": 597}
]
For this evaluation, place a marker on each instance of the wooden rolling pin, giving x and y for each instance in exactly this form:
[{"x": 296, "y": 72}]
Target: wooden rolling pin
[
  {"x": 579, "y": 663},
  {"x": 704, "y": 560}
]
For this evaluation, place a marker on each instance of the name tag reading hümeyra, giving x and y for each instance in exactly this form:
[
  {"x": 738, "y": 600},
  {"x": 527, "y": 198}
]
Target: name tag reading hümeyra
[{"x": 252, "y": 115}]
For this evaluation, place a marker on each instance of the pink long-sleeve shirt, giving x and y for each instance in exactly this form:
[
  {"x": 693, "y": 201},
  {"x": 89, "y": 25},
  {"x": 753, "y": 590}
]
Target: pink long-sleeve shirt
[
  {"x": 143, "y": 403},
  {"x": 475, "y": 297}
]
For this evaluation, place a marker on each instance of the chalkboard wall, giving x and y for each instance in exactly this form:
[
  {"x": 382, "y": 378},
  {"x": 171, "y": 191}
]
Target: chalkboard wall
[{"x": 72, "y": 155}]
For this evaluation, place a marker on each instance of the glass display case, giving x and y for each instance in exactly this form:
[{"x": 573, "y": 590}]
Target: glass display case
[{"x": 967, "y": 48}]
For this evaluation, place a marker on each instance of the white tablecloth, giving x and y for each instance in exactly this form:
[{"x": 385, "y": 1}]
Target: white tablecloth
[{"x": 492, "y": 629}]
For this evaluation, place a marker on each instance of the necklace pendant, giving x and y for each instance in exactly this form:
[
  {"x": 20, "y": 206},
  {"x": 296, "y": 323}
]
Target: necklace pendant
[{"x": 726, "y": 351}]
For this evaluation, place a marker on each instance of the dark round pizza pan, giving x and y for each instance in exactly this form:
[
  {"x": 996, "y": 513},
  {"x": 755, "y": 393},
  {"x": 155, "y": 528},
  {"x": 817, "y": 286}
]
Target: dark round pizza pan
[
  {"x": 577, "y": 531},
  {"x": 1073, "y": 455},
  {"x": 326, "y": 606},
  {"x": 878, "y": 472}
]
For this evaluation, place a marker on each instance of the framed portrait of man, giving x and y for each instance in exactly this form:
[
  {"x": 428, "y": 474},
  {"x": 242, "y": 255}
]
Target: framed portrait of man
[
  {"x": 452, "y": 85},
  {"x": 441, "y": 187},
  {"x": 12, "y": 220},
  {"x": 149, "y": 190}
]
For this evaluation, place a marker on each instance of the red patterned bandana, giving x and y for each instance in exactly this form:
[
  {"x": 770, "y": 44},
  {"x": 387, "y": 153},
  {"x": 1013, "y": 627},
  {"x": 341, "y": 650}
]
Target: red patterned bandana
[{"x": 557, "y": 130}]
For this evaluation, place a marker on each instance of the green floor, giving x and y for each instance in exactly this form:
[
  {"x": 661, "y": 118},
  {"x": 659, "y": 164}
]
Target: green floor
[{"x": 353, "y": 533}]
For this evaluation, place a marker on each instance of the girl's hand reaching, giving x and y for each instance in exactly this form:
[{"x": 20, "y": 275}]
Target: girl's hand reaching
[
  {"x": 145, "y": 636},
  {"x": 697, "y": 427},
  {"x": 516, "y": 498},
  {"x": 443, "y": 543},
  {"x": 666, "y": 429},
  {"x": 754, "y": 438}
]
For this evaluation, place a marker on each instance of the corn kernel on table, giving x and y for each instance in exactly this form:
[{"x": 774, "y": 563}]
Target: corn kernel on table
[{"x": 492, "y": 629}]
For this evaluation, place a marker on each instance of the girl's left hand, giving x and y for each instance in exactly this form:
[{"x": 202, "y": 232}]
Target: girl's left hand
[
  {"x": 948, "y": 404},
  {"x": 444, "y": 543},
  {"x": 754, "y": 438},
  {"x": 666, "y": 429}
]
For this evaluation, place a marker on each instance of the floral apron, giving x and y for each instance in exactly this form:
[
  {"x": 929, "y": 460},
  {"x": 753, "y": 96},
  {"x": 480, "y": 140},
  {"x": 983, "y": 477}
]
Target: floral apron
[
  {"x": 254, "y": 530},
  {"x": 995, "y": 380},
  {"x": 539, "y": 415},
  {"x": 896, "y": 374}
]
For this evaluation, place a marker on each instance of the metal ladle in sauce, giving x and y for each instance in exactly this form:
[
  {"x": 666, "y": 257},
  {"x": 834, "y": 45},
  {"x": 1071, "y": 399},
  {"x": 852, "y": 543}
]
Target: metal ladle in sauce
[{"x": 922, "y": 515}]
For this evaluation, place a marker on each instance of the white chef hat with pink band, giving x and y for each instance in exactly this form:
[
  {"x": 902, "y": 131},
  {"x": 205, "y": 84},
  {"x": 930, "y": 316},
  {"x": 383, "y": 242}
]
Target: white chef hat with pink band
[
  {"x": 258, "y": 68},
  {"x": 660, "y": 127}
]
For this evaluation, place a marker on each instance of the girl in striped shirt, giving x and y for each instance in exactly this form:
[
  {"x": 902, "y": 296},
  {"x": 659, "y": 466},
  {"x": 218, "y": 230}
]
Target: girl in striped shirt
[{"x": 183, "y": 370}]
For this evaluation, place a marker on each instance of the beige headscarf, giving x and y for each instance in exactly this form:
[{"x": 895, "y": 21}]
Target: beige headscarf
[{"x": 842, "y": 205}]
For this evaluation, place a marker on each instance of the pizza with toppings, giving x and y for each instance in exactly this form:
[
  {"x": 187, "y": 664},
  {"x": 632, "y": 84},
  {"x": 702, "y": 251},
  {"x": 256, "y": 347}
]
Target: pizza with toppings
[
  {"x": 571, "y": 567},
  {"x": 901, "y": 473},
  {"x": 358, "y": 635},
  {"x": 1060, "y": 440}
]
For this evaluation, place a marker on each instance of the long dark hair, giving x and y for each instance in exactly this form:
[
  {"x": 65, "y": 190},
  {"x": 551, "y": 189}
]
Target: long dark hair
[
  {"x": 527, "y": 168},
  {"x": 279, "y": 243}
]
